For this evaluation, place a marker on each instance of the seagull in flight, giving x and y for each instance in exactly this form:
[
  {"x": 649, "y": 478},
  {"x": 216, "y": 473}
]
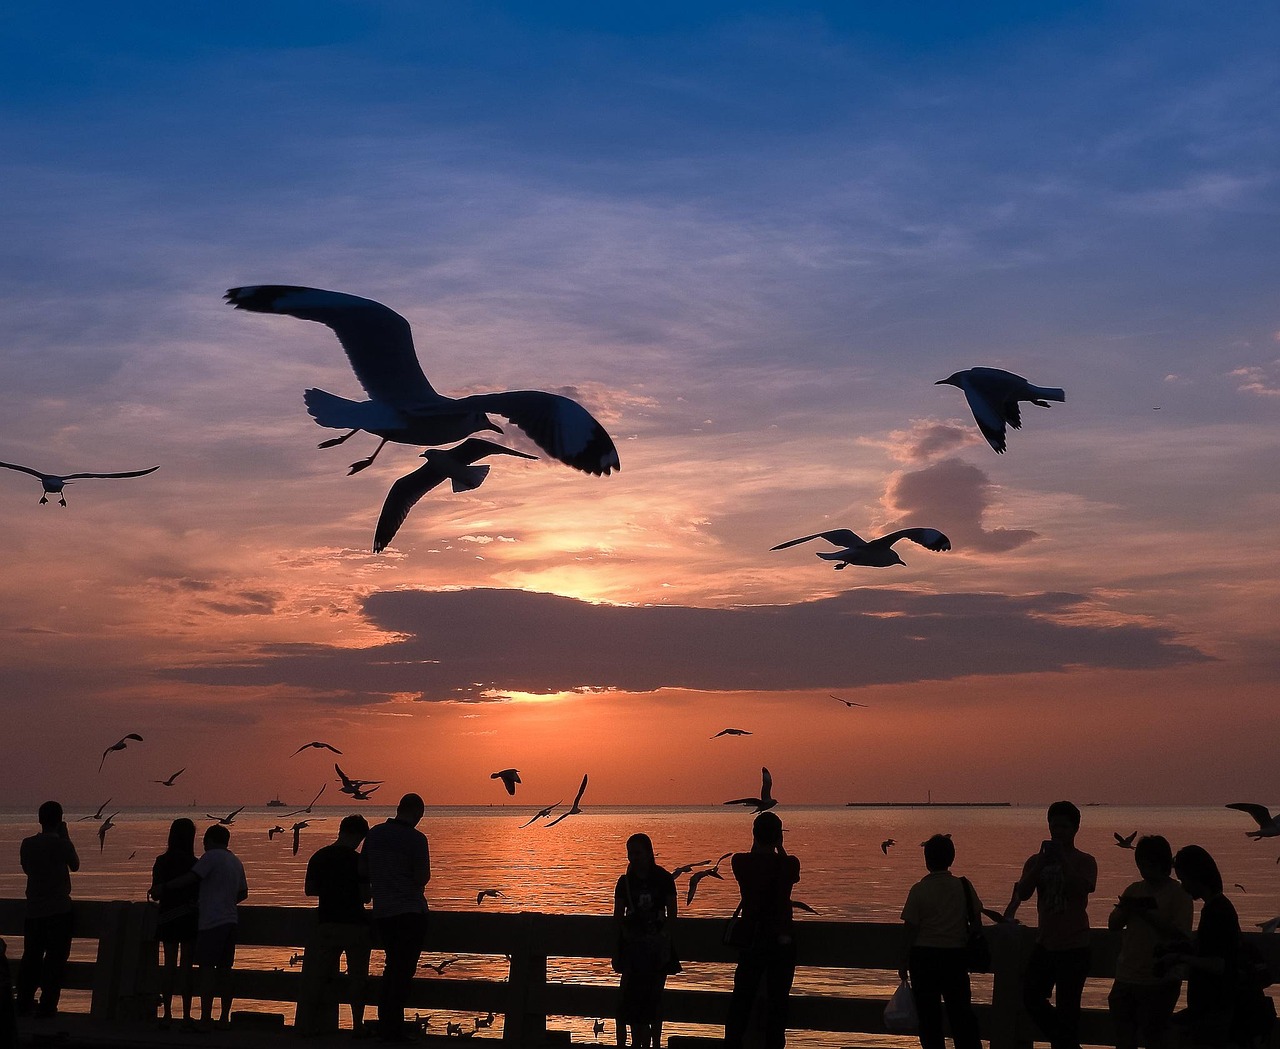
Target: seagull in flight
[
  {"x": 317, "y": 745},
  {"x": 440, "y": 967},
  {"x": 226, "y": 820},
  {"x": 846, "y": 702},
  {"x": 349, "y": 785},
  {"x": 766, "y": 799},
  {"x": 685, "y": 868},
  {"x": 102, "y": 831},
  {"x": 1270, "y": 925},
  {"x": 878, "y": 553},
  {"x": 711, "y": 872},
  {"x": 124, "y": 742},
  {"x": 1122, "y": 841},
  {"x": 364, "y": 795},
  {"x": 448, "y": 464},
  {"x": 489, "y": 892},
  {"x": 597, "y": 1028},
  {"x": 1268, "y": 826},
  {"x": 573, "y": 810},
  {"x": 271, "y": 834},
  {"x": 800, "y": 905},
  {"x": 509, "y": 777},
  {"x": 97, "y": 815},
  {"x": 993, "y": 395},
  {"x": 886, "y": 845},
  {"x": 307, "y": 809},
  {"x": 541, "y": 814},
  {"x": 170, "y": 781},
  {"x": 298, "y": 828},
  {"x": 731, "y": 732},
  {"x": 403, "y": 406},
  {"x": 54, "y": 483}
]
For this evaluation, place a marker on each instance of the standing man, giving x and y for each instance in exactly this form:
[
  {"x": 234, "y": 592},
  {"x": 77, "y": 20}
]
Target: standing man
[
  {"x": 1062, "y": 877},
  {"x": 48, "y": 858},
  {"x": 399, "y": 862}
]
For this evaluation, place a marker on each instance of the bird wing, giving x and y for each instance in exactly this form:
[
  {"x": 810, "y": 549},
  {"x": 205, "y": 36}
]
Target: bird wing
[
  {"x": 558, "y": 425},
  {"x": 567, "y": 812},
  {"x": 402, "y": 498},
  {"x": 127, "y": 473},
  {"x": 341, "y": 775},
  {"x": 989, "y": 420},
  {"x": 929, "y": 538},
  {"x": 838, "y": 536},
  {"x": 236, "y": 813},
  {"x": 130, "y": 735},
  {"x": 474, "y": 448},
  {"x": 743, "y": 801},
  {"x": 24, "y": 469},
  {"x": 581, "y": 790},
  {"x": 766, "y": 785},
  {"x": 378, "y": 341},
  {"x": 1259, "y": 812}
]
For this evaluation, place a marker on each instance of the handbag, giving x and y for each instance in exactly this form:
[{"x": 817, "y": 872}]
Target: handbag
[
  {"x": 739, "y": 931},
  {"x": 900, "y": 1014},
  {"x": 977, "y": 952}
]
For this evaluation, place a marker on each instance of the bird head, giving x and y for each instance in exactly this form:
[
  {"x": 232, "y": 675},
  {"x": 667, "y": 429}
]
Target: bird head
[{"x": 951, "y": 380}]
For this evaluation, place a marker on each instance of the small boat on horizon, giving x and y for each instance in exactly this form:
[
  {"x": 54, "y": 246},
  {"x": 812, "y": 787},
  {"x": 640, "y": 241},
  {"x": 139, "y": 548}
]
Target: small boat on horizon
[{"x": 276, "y": 803}]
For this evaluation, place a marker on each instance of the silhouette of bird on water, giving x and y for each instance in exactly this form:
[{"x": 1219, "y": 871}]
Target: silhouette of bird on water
[
  {"x": 298, "y": 828},
  {"x": 124, "y": 742},
  {"x": 271, "y": 834},
  {"x": 878, "y": 553},
  {"x": 886, "y": 845},
  {"x": 403, "y": 406},
  {"x": 846, "y": 702},
  {"x": 1124, "y": 841},
  {"x": 542, "y": 813},
  {"x": 509, "y": 777},
  {"x": 573, "y": 810},
  {"x": 54, "y": 483},
  {"x": 731, "y": 732},
  {"x": 439, "y": 967},
  {"x": 307, "y": 809},
  {"x": 170, "y": 781},
  {"x": 597, "y": 1028},
  {"x": 1270, "y": 925},
  {"x": 97, "y": 815},
  {"x": 102, "y": 830},
  {"x": 450, "y": 464},
  {"x": 1268, "y": 825},
  {"x": 228, "y": 819},
  {"x": 484, "y": 1021},
  {"x": 800, "y": 905},
  {"x": 318, "y": 745},
  {"x": 993, "y": 395},
  {"x": 494, "y": 893},
  {"x": 766, "y": 799}
]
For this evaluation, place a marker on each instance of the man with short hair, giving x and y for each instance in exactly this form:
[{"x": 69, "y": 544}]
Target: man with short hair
[
  {"x": 47, "y": 858},
  {"x": 399, "y": 860}
]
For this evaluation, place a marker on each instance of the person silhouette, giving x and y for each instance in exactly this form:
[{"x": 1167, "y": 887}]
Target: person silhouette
[
  {"x": 644, "y": 902},
  {"x": 764, "y": 876},
  {"x": 177, "y": 922},
  {"x": 1210, "y": 962},
  {"x": 48, "y": 860}
]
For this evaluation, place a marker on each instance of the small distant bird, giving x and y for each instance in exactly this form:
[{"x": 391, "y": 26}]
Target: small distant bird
[
  {"x": 485, "y": 1021},
  {"x": 271, "y": 834},
  {"x": 169, "y": 782},
  {"x": 228, "y": 819},
  {"x": 299, "y": 812},
  {"x": 1268, "y": 826},
  {"x": 573, "y": 810},
  {"x": 102, "y": 831},
  {"x": 451, "y": 1029},
  {"x": 878, "y": 553},
  {"x": 439, "y": 967},
  {"x": 298, "y": 828},
  {"x": 296, "y": 959},
  {"x": 597, "y": 1028},
  {"x": 448, "y": 464},
  {"x": 133, "y": 854},
  {"x": 1124, "y": 842},
  {"x": 349, "y": 785},
  {"x": 846, "y": 702},
  {"x": 731, "y": 732},
  {"x": 542, "y": 813},
  {"x": 1241, "y": 887},
  {"x": 800, "y": 905},
  {"x": 886, "y": 845},
  {"x": 54, "y": 483},
  {"x": 766, "y": 799},
  {"x": 318, "y": 745},
  {"x": 124, "y": 742},
  {"x": 509, "y": 777},
  {"x": 489, "y": 892},
  {"x": 97, "y": 815},
  {"x": 422, "y": 1022},
  {"x": 993, "y": 395}
]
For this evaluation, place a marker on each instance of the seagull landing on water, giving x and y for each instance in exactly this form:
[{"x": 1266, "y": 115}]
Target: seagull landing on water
[
  {"x": 509, "y": 777},
  {"x": 766, "y": 799},
  {"x": 1268, "y": 825},
  {"x": 403, "y": 406},
  {"x": 993, "y": 395},
  {"x": 878, "y": 553},
  {"x": 54, "y": 483}
]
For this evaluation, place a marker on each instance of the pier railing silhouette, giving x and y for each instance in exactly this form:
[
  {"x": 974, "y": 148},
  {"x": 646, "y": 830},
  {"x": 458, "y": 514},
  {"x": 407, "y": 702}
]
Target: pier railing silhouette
[{"x": 123, "y": 980}]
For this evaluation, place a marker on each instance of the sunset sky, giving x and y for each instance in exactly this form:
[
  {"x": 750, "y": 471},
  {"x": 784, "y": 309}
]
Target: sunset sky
[{"x": 748, "y": 238}]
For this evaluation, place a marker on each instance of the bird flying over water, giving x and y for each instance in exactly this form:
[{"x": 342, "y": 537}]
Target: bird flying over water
[
  {"x": 1268, "y": 826},
  {"x": 102, "y": 830},
  {"x": 993, "y": 395},
  {"x": 542, "y": 814},
  {"x": 886, "y": 845},
  {"x": 170, "y": 781},
  {"x": 440, "y": 967},
  {"x": 448, "y": 464},
  {"x": 731, "y": 732},
  {"x": 489, "y": 892},
  {"x": 97, "y": 815},
  {"x": 846, "y": 702},
  {"x": 766, "y": 799},
  {"x": 573, "y": 810},
  {"x": 297, "y": 812},
  {"x": 228, "y": 819},
  {"x": 124, "y": 742},
  {"x": 878, "y": 553},
  {"x": 298, "y": 828},
  {"x": 405, "y": 407},
  {"x": 318, "y": 745},
  {"x": 695, "y": 879},
  {"x": 1125, "y": 841},
  {"x": 271, "y": 834},
  {"x": 349, "y": 785},
  {"x": 54, "y": 483},
  {"x": 509, "y": 777}
]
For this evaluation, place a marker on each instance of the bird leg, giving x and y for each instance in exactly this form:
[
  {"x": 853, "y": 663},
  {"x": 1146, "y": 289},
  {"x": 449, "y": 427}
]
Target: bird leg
[
  {"x": 358, "y": 466},
  {"x": 44, "y": 499},
  {"x": 337, "y": 440},
  {"x": 62, "y": 500}
]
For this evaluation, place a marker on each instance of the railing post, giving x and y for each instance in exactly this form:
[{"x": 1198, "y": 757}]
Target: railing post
[
  {"x": 138, "y": 986},
  {"x": 109, "y": 962},
  {"x": 1011, "y": 947},
  {"x": 525, "y": 1022}
]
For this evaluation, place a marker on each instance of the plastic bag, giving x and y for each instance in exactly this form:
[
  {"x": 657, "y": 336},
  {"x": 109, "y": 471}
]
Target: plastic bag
[{"x": 900, "y": 1014}]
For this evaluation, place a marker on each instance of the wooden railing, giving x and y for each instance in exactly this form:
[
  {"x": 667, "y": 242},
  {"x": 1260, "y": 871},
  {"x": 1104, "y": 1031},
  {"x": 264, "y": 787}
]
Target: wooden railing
[{"x": 123, "y": 979}]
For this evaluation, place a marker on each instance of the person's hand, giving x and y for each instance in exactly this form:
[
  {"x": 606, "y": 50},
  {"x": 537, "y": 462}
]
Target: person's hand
[{"x": 153, "y": 893}]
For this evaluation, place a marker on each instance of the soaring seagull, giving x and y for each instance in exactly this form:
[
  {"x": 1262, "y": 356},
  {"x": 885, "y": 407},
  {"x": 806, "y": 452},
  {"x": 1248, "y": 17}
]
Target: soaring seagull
[
  {"x": 1268, "y": 825},
  {"x": 448, "y": 464},
  {"x": 509, "y": 777},
  {"x": 170, "y": 781},
  {"x": 542, "y": 814},
  {"x": 54, "y": 483},
  {"x": 124, "y": 742},
  {"x": 993, "y": 395},
  {"x": 317, "y": 745},
  {"x": 573, "y": 809},
  {"x": 766, "y": 799},
  {"x": 730, "y": 732},
  {"x": 878, "y": 553},
  {"x": 403, "y": 406}
]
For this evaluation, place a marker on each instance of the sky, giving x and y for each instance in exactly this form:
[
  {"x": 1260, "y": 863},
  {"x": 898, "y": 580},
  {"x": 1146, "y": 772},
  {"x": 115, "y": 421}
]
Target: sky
[{"x": 747, "y": 237}]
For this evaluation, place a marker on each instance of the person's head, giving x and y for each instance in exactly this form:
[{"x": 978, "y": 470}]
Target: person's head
[
  {"x": 352, "y": 829},
  {"x": 1197, "y": 872},
  {"x": 410, "y": 809},
  {"x": 640, "y": 851},
  {"x": 182, "y": 836},
  {"x": 939, "y": 853},
  {"x": 50, "y": 815},
  {"x": 1154, "y": 857},
  {"x": 767, "y": 829},
  {"x": 216, "y": 837},
  {"x": 1064, "y": 821}
]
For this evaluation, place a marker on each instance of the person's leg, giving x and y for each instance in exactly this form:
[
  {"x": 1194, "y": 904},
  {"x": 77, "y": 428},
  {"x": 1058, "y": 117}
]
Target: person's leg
[
  {"x": 168, "y": 977},
  {"x": 1123, "y": 1005},
  {"x": 206, "y": 994},
  {"x": 33, "y": 948},
  {"x": 54, "y": 971},
  {"x": 926, "y": 985},
  {"x": 1037, "y": 985},
  {"x": 402, "y": 938},
  {"x": 746, "y": 978},
  {"x": 780, "y": 974},
  {"x": 186, "y": 975},
  {"x": 957, "y": 993},
  {"x": 357, "y": 951},
  {"x": 1072, "y": 971},
  {"x": 1156, "y": 1018}
]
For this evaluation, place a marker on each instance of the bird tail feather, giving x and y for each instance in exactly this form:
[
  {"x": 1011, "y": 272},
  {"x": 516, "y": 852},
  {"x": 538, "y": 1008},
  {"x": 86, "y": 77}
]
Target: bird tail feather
[
  {"x": 469, "y": 478},
  {"x": 1049, "y": 393},
  {"x": 338, "y": 413}
]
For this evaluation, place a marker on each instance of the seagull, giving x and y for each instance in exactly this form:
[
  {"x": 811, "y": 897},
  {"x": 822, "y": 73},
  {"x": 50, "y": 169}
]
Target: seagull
[
  {"x": 685, "y": 868},
  {"x": 731, "y": 732},
  {"x": 710, "y": 872},
  {"x": 298, "y": 828},
  {"x": 597, "y": 1028},
  {"x": 106, "y": 826},
  {"x": 349, "y": 785},
  {"x": 403, "y": 405},
  {"x": 509, "y": 777},
  {"x": 363, "y": 795},
  {"x": 993, "y": 395},
  {"x": 271, "y": 834},
  {"x": 484, "y": 1021},
  {"x": 53, "y": 483},
  {"x": 317, "y": 745},
  {"x": 441, "y": 966},
  {"x": 1270, "y": 925},
  {"x": 124, "y": 742},
  {"x": 296, "y": 959},
  {"x": 766, "y": 799},
  {"x": 573, "y": 810},
  {"x": 886, "y": 845},
  {"x": 541, "y": 814},
  {"x": 846, "y": 702},
  {"x": 169, "y": 782},
  {"x": 449, "y": 464},
  {"x": 307, "y": 809},
  {"x": 1268, "y": 826},
  {"x": 489, "y": 892},
  {"x": 226, "y": 820},
  {"x": 1241, "y": 887},
  {"x": 800, "y": 905},
  {"x": 98, "y": 815},
  {"x": 1124, "y": 842},
  {"x": 878, "y": 553}
]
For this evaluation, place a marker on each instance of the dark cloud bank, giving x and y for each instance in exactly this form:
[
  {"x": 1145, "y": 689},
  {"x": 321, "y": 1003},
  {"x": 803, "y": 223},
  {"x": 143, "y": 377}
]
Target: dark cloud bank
[{"x": 457, "y": 644}]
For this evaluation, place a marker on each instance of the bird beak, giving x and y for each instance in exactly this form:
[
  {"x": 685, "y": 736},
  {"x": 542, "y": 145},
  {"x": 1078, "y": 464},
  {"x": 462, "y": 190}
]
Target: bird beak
[{"x": 941, "y": 382}]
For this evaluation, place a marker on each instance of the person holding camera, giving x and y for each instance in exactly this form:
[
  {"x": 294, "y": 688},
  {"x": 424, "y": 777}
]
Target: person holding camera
[
  {"x": 47, "y": 859},
  {"x": 1062, "y": 877}
]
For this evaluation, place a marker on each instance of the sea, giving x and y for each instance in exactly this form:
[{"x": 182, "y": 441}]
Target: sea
[{"x": 571, "y": 868}]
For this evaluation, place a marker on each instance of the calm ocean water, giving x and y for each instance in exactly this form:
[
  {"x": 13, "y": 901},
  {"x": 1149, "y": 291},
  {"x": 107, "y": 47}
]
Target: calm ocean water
[{"x": 571, "y": 868}]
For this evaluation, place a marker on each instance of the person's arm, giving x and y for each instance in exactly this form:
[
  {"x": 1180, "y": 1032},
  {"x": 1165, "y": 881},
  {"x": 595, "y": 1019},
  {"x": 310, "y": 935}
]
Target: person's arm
[
  {"x": 362, "y": 873},
  {"x": 912, "y": 931},
  {"x": 242, "y": 893},
  {"x": 1024, "y": 886},
  {"x": 421, "y": 873},
  {"x": 70, "y": 855},
  {"x": 1080, "y": 876},
  {"x": 182, "y": 881},
  {"x": 311, "y": 881}
]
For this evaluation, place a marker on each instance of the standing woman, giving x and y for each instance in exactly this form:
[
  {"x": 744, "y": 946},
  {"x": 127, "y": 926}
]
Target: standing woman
[
  {"x": 1211, "y": 964},
  {"x": 937, "y": 914},
  {"x": 644, "y": 900},
  {"x": 176, "y": 925},
  {"x": 765, "y": 876}
]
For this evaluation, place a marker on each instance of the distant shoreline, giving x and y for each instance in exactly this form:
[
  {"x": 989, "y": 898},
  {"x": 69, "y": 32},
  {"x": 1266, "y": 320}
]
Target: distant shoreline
[{"x": 928, "y": 804}]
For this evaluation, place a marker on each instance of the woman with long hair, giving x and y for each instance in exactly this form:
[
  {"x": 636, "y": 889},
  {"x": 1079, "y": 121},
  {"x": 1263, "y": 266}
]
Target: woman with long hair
[
  {"x": 176, "y": 925},
  {"x": 644, "y": 902}
]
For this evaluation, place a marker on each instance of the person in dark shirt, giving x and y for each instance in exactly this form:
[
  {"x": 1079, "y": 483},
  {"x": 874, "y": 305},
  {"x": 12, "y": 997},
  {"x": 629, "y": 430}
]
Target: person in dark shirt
[
  {"x": 338, "y": 878},
  {"x": 1211, "y": 963},
  {"x": 765, "y": 876},
  {"x": 176, "y": 923},
  {"x": 48, "y": 858},
  {"x": 644, "y": 900}
]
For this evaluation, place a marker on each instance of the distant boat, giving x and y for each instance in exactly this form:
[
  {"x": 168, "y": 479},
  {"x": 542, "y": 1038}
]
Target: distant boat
[{"x": 276, "y": 803}]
